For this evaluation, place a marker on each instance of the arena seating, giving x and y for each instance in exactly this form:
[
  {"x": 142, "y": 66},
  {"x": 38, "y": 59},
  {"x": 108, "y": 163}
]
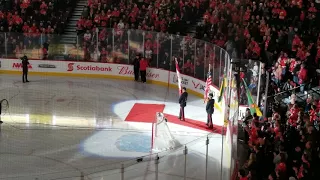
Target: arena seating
[
  {"x": 29, "y": 23},
  {"x": 35, "y": 16},
  {"x": 162, "y": 16}
]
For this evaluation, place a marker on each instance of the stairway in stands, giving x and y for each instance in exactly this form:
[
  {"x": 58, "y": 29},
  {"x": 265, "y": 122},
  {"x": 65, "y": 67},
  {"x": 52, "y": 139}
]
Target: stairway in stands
[{"x": 70, "y": 32}]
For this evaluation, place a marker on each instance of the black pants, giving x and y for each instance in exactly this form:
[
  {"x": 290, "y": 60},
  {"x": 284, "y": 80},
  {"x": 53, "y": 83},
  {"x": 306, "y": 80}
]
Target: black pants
[
  {"x": 24, "y": 76},
  {"x": 136, "y": 74},
  {"x": 181, "y": 113},
  {"x": 143, "y": 76},
  {"x": 209, "y": 119}
]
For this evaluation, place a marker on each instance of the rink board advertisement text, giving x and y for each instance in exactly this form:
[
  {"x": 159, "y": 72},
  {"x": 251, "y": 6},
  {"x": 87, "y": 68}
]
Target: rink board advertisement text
[{"x": 117, "y": 71}]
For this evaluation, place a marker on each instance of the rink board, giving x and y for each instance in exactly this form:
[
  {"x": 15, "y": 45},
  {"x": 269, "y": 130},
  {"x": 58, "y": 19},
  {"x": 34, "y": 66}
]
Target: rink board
[{"x": 107, "y": 70}]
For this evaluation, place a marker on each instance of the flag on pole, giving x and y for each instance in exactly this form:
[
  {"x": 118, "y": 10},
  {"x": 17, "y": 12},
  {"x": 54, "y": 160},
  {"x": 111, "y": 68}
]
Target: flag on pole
[
  {"x": 208, "y": 84},
  {"x": 253, "y": 106},
  {"x": 222, "y": 87},
  {"x": 178, "y": 76}
]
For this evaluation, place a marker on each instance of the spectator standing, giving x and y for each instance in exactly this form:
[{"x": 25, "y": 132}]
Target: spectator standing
[
  {"x": 302, "y": 77},
  {"x": 136, "y": 66},
  {"x": 143, "y": 69}
]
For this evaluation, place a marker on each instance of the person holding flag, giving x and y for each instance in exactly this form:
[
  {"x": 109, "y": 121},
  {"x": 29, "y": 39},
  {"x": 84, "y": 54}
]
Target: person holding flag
[
  {"x": 182, "y": 92},
  {"x": 210, "y": 110},
  {"x": 183, "y": 103}
]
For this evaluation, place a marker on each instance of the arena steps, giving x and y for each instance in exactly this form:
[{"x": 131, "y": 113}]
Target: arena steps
[{"x": 70, "y": 32}]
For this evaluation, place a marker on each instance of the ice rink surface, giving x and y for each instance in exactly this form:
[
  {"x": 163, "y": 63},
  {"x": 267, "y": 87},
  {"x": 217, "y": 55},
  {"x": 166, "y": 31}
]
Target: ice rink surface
[{"x": 60, "y": 127}]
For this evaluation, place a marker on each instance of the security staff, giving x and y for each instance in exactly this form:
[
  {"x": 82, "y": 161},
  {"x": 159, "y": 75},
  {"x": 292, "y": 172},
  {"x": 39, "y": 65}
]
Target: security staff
[
  {"x": 210, "y": 110},
  {"x": 183, "y": 103},
  {"x": 25, "y": 63},
  {"x": 136, "y": 66},
  {"x": 143, "y": 69}
]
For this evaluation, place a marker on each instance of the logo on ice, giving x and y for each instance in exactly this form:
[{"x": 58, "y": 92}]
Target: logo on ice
[
  {"x": 19, "y": 66},
  {"x": 87, "y": 68}
]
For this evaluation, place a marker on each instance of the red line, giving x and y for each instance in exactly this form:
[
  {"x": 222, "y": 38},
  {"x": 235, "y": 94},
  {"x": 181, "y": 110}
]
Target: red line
[{"x": 152, "y": 136}]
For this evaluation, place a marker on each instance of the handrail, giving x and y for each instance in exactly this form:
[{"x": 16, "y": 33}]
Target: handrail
[{"x": 292, "y": 89}]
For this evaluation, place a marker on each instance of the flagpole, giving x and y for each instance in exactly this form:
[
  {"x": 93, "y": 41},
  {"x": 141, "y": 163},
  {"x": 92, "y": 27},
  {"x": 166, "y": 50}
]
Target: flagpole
[
  {"x": 265, "y": 103},
  {"x": 259, "y": 83},
  {"x": 205, "y": 96}
]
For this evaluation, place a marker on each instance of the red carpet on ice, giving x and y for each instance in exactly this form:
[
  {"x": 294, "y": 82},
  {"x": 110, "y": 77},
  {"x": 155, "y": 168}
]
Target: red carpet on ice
[{"x": 146, "y": 113}]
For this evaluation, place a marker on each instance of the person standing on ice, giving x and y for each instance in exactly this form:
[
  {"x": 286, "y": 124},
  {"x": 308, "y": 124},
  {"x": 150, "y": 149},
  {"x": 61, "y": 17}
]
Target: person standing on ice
[
  {"x": 210, "y": 110},
  {"x": 143, "y": 69},
  {"x": 136, "y": 66},
  {"x": 25, "y": 63},
  {"x": 183, "y": 103}
]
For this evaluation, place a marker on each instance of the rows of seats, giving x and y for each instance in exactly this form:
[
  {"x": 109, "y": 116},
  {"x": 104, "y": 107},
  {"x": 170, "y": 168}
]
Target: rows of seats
[
  {"x": 40, "y": 16},
  {"x": 28, "y": 23},
  {"x": 159, "y": 15}
]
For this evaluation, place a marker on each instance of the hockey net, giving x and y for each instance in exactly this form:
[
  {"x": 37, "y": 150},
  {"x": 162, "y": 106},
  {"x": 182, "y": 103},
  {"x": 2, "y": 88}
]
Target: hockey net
[{"x": 162, "y": 138}]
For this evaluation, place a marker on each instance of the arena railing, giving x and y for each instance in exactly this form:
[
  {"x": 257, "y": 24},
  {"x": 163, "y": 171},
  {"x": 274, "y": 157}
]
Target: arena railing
[{"x": 194, "y": 57}]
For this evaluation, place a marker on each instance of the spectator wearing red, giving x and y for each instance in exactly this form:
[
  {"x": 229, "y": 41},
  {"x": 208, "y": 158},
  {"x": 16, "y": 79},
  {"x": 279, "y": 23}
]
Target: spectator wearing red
[
  {"x": 242, "y": 175},
  {"x": 188, "y": 67},
  {"x": 313, "y": 114},
  {"x": 302, "y": 77},
  {"x": 295, "y": 43},
  {"x": 278, "y": 74}
]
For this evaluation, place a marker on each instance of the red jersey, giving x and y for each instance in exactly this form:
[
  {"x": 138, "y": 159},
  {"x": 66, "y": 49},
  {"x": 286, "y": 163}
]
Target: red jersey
[
  {"x": 292, "y": 65},
  {"x": 143, "y": 64}
]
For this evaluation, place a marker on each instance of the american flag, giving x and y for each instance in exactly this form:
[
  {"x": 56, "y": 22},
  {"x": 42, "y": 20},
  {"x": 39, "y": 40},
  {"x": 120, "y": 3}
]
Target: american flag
[
  {"x": 208, "y": 84},
  {"x": 178, "y": 75}
]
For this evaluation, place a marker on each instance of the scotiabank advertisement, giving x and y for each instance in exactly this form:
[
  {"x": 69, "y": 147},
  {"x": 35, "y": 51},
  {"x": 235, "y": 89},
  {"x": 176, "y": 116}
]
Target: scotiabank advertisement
[
  {"x": 88, "y": 68},
  {"x": 82, "y": 68}
]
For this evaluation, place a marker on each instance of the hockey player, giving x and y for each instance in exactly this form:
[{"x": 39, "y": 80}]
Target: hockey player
[
  {"x": 25, "y": 63},
  {"x": 183, "y": 103},
  {"x": 210, "y": 110}
]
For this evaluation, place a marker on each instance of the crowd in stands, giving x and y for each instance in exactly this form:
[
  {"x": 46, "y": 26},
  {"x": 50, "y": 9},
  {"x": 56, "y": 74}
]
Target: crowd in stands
[
  {"x": 163, "y": 16},
  {"x": 28, "y": 24},
  {"x": 283, "y": 35},
  {"x": 160, "y": 15},
  {"x": 285, "y": 145}
]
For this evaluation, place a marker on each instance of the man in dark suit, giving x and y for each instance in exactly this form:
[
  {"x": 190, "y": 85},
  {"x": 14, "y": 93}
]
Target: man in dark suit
[
  {"x": 136, "y": 67},
  {"x": 210, "y": 110},
  {"x": 25, "y": 63},
  {"x": 183, "y": 103}
]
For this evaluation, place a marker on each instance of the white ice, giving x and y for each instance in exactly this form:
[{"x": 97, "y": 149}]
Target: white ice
[{"x": 60, "y": 127}]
